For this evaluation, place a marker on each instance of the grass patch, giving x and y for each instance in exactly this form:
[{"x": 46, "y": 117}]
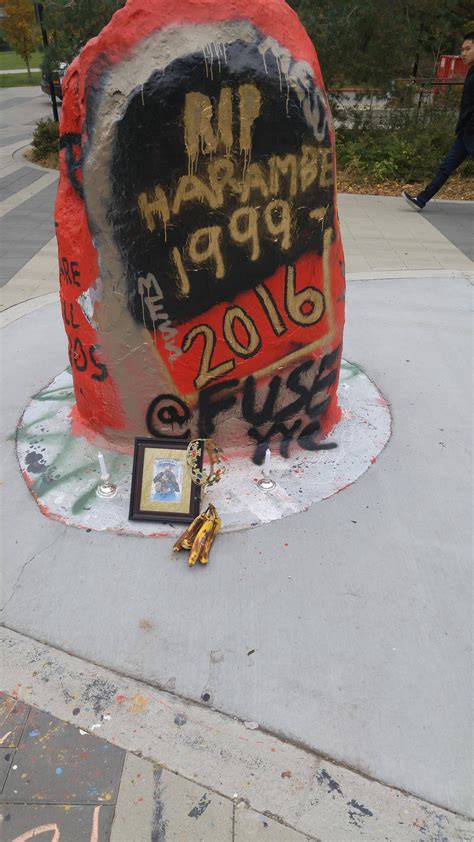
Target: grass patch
[
  {"x": 17, "y": 80},
  {"x": 12, "y": 61},
  {"x": 407, "y": 147},
  {"x": 45, "y": 143}
]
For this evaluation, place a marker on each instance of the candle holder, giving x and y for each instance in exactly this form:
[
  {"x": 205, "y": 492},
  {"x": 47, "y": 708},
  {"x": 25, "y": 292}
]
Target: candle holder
[
  {"x": 266, "y": 483},
  {"x": 106, "y": 490}
]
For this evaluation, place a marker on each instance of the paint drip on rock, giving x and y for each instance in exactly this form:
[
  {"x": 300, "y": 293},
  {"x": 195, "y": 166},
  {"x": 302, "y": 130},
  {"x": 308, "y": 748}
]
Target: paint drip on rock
[{"x": 209, "y": 300}]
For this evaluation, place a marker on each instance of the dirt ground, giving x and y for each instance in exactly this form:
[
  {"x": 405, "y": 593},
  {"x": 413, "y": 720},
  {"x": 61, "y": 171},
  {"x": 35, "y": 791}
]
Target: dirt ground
[{"x": 457, "y": 187}]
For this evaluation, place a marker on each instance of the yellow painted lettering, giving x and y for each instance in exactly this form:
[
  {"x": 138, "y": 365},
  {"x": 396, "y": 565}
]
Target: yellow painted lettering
[
  {"x": 199, "y": 135},
  {"x": 326, "y": 178},
  {"x": 192, "y": 189},
  {"x": 204, "y": 245},
  {"x": 224, "y": 119},
  {"x": 250, "y": 100},
  {"x": 305, "y": 307},
  {"x": 198, "y": 132},
  {"x": 282, "y": 167},
  {"x": 206, "y": 370},
  {"x": 221, "y": 175},
  {"x": 269, "y": 306},
  {"x": 319, "y": 214},
  {"x": 235, "y": 313},
  {"x": 254, "y": 180},
  {"x": 308, "y": 166},
  {"x": 151, "y": 205},
  {"x": 184, "y": 285},
  {"x": 243, "y": 226},
  {"x": 278, "y": 221}
]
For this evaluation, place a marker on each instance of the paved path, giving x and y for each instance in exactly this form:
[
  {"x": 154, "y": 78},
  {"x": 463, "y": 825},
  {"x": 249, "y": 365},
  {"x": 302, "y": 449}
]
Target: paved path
[
  {"x": 19, "y": 70},
  {"x": 27, "y": 247}
]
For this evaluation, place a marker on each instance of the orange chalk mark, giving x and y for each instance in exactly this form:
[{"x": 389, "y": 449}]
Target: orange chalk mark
[
  {"x": 36, "y": 831},
  {"x": 139, "y": 703},
  {"x": 95, "y": 825}
]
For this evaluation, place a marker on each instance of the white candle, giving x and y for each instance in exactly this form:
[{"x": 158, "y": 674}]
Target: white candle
[
  {"x": 267, "y": 463},
  {"x": 104, "y": 474}
]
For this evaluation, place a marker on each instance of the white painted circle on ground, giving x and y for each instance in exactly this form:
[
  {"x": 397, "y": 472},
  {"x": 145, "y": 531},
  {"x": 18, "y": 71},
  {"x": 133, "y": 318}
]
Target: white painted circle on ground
[{"x": 62, "y": 470}]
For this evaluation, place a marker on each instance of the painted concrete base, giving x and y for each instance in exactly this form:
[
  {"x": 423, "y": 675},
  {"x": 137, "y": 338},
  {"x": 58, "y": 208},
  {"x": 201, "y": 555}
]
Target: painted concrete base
[{"x": 62, "y": 471}]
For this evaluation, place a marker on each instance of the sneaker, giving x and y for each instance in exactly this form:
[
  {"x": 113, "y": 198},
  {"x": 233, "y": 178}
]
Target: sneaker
[{"x": 414, "y": 203}]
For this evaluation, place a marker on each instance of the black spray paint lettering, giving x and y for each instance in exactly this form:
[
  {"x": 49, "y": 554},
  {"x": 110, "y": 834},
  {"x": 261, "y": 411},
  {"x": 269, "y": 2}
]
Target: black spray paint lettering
[
  {"x": 304, "y": 401},
  {"x": 263, "y": 439},
  {"x": 80, "y": 358},
  {"x": 210, "y": 408},
  {"x": 71, "y": 142},
  {"x": 68, "y": 309},
  {"x": 165, "y": 412},
  {"x": 101, "y": 367},
  {"x": 82, "y": 361},
  {"x": 69, "y": 272},
  {"x": 266, "y": 423}
]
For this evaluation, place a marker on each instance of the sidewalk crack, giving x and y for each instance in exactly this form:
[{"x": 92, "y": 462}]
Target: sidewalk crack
[{"x": 16, "y": 583}]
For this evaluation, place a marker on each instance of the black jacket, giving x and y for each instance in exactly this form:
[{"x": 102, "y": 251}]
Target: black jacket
[{"x": 465, "y": 123}]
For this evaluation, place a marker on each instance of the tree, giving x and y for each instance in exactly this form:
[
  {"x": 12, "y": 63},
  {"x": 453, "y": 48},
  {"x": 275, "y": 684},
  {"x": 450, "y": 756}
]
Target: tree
[
  {"x": 70, "y": 24},
  {"x": 19, "y": 28},
  {"x": 372, "y": 42},
  {"x": 359, "y": 42}
]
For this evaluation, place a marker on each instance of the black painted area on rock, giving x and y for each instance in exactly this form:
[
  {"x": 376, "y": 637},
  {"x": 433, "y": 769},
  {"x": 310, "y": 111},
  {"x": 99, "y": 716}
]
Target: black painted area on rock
[{"x": 151, "y": 152}]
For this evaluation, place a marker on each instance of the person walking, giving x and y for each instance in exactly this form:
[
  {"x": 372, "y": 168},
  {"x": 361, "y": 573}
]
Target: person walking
[{"x": 464, "y": 131}]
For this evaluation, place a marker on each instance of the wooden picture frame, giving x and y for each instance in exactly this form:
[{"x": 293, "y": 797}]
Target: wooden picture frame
[{"x": 162, "y": 489}]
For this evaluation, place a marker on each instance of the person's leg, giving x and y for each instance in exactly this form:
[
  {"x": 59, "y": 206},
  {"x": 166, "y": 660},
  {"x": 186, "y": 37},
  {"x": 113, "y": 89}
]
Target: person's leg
[
  {"x": 468, "y": 140},
  {"x": 456, "y": 154}
]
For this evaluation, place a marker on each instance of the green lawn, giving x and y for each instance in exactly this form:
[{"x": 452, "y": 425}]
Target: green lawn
[
  {"x": 12, "y": 61},
  {"x": 13, "y": 80}
]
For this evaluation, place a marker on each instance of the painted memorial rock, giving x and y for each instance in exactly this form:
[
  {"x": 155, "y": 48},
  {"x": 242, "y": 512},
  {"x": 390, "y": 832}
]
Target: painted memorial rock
[{"x": 201, "y": 266}]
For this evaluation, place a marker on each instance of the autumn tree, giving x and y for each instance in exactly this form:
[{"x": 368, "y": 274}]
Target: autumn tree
[
  {"x": 70, "y": 24},
  {"x": 19, "y": 28}
]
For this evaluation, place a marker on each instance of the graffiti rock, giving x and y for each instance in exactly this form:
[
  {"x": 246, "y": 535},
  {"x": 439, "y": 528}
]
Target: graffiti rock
[{"x": 200, "y": 260}]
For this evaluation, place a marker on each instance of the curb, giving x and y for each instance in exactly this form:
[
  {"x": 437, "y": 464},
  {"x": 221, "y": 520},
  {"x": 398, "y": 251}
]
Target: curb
[
  {"x": 20, "y": 153},
  {"x": 412, "y": 274},
  {"x": 297, "y": 787}
]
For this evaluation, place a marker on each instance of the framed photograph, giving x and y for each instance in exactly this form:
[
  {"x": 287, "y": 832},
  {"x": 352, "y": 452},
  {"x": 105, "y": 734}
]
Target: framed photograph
[{"x": 161, "y": 482}]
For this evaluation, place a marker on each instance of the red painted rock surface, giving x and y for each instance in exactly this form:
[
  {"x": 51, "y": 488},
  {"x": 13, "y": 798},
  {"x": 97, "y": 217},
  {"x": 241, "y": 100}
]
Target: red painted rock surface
[{"x": 201, "y": 266}]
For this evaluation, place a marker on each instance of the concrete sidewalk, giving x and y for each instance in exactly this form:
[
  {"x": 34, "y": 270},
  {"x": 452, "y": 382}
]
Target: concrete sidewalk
[
  {"x": 170, "y": 770},
  {"x": 19, "y": 70}
]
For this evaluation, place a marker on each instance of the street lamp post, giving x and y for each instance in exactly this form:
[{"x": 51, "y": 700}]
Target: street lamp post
[{"x": 44, "y": 34}]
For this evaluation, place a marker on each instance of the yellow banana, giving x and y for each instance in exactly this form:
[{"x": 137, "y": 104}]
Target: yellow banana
[
  {"x": 209, "y": 541},
  {"x": 200, "y": 542},
  {"x": 205, "y": 538},
  {"x": 186, "y": 540},
  {"x": 199, "y": 536}
]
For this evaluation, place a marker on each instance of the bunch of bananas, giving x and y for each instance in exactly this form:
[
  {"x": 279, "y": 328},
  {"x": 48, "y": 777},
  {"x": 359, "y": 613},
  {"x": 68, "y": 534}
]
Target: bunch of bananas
[{"x": 199, "y": 536}]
